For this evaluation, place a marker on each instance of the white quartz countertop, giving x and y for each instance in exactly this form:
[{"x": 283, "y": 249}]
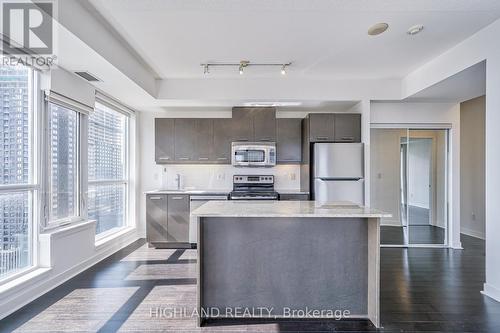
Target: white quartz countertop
[
  {"x": 189, "y": 191},
  {"x": 212, "y": 191},
  {"x": 285, "y": 209}
]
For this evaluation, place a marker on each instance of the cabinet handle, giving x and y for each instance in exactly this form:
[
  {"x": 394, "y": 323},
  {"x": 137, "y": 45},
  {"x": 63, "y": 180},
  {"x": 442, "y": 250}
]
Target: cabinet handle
[
  {"x": 265, "y": 139},
  {"x": 177, "y": 198},
  {"x": 241, "y": 139},
  {"x": 322, "y": 138},
  {"x": 347, "y": 138},
  {"x": 203, "y": 158},
  {"x": 222, "y": 158},
  {"x": 155, "y": 198},
  {"x": 164, "y": 158},
  {"x": 183, "y": 158}
]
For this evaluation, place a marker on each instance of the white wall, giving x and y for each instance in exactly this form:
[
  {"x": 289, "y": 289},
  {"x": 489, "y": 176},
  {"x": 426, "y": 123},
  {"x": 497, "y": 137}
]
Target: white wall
[
  {"x": 416, "y": 115},
  {"x": 472, "y": 168}
]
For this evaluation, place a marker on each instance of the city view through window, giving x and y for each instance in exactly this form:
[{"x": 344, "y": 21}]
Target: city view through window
[
  {"x": 15, "y": 220},
  {"x": 107, "y": 170}
]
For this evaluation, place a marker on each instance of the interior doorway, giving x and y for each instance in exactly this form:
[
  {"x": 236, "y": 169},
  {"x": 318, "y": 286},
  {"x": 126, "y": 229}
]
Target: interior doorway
[{"x": 409, "y": 180}]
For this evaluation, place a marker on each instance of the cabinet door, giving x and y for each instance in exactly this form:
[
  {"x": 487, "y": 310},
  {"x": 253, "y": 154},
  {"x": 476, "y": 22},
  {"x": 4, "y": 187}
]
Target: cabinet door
[
  {"x": 222, "y": 140},
  {"x": 164, "y": 140},
  {"x": 264, "y": 124},
  {"x": 178, "y": 218},
  {"x": 242, "y": 125},
  {"x": 288, "y": 140},
  {"x": 321, "y": 127},
  {"x": 348, "y": 127},
  {"x": 204, "y": 140},
  {"x": 184, "y": 139},
  {"x": 156, "y": 218}
]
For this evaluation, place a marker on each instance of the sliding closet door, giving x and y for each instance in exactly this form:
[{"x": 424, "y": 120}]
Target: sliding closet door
[
  {"x": 409, "y": 181},
  {"x": 426, "y": 187},
  {"x": 388, "y": 183}
]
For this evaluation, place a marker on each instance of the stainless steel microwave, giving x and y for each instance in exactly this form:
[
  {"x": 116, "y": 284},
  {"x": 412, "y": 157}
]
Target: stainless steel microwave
[{"x": 253, "y": 154}]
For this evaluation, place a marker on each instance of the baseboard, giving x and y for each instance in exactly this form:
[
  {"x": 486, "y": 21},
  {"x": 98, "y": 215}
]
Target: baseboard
[
  {"x": 472, "y": 233},
  {"x": 492, "y": 292},
  {"x": 34, "y": 289}
]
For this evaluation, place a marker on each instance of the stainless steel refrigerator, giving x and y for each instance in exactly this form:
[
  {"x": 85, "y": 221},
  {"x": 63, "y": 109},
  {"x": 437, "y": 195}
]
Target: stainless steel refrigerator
[{"x": 337, "y": 172}]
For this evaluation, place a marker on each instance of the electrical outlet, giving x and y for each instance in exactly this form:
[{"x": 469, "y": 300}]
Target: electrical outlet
[
  {"x": 292, "y": 176},
  {"x": 473, "y": 216},
  {"x": 221, "y": 176},
  {"x": 156, "y": 176}
]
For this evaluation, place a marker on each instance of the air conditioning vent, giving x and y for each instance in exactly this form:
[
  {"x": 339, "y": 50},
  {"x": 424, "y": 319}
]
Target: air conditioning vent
[{"x": 87, "y": 76}]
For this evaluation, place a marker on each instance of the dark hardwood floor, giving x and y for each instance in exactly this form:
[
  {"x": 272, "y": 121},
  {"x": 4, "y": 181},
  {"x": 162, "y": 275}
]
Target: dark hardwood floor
[
  {"x": 418, "y": 234},
  {"x": 427, "y": 290}
]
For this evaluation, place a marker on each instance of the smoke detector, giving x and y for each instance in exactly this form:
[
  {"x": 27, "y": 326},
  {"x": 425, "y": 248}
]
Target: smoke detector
[{"x": 413, "y": 30}]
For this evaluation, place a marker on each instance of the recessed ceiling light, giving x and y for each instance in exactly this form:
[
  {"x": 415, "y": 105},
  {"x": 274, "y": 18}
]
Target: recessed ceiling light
[
  {"x": 377, "y": 29},
  {"x": 413, "y": 30}
]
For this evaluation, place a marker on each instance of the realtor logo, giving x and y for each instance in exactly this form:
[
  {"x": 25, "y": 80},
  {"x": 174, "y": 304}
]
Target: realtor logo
[{"x": 27, "y": 28}]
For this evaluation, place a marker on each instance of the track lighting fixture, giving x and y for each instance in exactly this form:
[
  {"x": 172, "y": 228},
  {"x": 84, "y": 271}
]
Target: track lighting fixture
[{"x": 242, "y": 65}]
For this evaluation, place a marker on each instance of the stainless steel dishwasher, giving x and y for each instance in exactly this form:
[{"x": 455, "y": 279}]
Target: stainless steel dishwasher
[{"x": 196, "y": 201}]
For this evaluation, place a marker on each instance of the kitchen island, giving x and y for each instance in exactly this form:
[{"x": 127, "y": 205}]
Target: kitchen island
[{"x": 288, "y": 259}]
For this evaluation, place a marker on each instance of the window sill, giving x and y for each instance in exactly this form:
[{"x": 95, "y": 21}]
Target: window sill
[
  {"x": 103, "y": 239},
  {"x": 38, "y": 272},
  {"x": 68, "y": 229}
]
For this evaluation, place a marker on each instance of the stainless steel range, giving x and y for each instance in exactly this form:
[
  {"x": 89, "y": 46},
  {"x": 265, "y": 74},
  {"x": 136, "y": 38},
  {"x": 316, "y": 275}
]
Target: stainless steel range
[{"x": 253, "y": 187}]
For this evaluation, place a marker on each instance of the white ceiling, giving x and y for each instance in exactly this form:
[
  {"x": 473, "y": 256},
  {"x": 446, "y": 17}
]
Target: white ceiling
[{"x": 325, "y": 39}]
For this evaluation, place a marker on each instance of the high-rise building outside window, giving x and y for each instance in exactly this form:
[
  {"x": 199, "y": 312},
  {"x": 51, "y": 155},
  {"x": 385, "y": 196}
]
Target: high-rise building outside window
[
  {"x": 63, "y": 163},
  {"x": 17, "y": 181},
  {"x": 107, "y": 168}
]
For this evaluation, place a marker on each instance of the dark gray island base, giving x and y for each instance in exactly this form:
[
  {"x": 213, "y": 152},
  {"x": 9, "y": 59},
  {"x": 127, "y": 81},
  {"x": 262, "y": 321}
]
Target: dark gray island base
[{"x": 299, "y": 261}]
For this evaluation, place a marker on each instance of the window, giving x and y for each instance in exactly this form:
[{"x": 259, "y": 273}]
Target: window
[
  {"x": 63, "y": 163},
  {"x": 17, "y": 183},
  {"x": 107, "y": 168}
]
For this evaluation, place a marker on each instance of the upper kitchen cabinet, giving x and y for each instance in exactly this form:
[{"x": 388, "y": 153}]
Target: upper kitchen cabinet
[
  {"x": 254, "y": 124},
  {"x": 185, "y": 139},
  {"x": 204, "y": 140},
  {"x": 242, "y": 124},
  {"x": 264, "y": 124},
  {"x": 289, "y": 140},
  {"x": 222, "y": 138},
  {"x": 164, "y": 140},
  {"x": 334, "y": 127},
  {"x": 321, "y": 127},
  {"x": 347, "y": 127}
]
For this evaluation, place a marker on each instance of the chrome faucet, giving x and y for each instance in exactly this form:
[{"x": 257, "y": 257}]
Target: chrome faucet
[{"x": 178, "y": 180}]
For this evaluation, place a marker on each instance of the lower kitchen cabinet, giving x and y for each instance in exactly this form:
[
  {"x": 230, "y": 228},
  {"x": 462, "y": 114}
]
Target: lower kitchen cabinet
[
  {"x": 178, "y": 218},
  {"x": 167, "y": 220},
  {"x": 156, "y": 218}
]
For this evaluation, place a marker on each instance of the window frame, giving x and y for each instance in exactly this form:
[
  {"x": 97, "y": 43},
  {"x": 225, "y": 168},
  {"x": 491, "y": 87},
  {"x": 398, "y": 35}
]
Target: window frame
[
  {"x": 47, "y": 223},
  {"x": 126, "y": 172},
  {"x": 32, "y": 187}
]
